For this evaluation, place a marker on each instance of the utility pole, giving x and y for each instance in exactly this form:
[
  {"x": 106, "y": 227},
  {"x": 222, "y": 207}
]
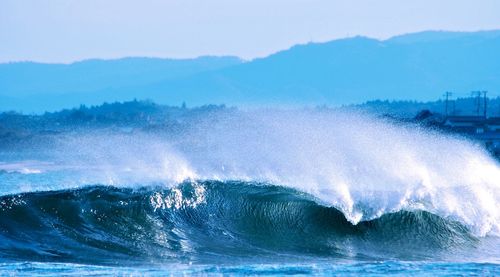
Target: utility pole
[
  {"x": 485, "y": 103},
  {"x": 447, "y": 95},
  {"x": 477, "y": 101}
]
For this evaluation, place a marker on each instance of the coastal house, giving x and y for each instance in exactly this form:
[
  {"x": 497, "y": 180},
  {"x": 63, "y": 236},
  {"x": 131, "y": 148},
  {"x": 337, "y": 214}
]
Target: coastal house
[
  {"x": 473, "y": 124},
  {"x": 493, "y": 124},
  {"x": 479, "y": 128},
  {"x": 466, "y": 124}
]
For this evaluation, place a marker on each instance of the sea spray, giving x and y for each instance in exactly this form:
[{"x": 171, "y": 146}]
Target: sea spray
[{"x": 363, "y": 166}]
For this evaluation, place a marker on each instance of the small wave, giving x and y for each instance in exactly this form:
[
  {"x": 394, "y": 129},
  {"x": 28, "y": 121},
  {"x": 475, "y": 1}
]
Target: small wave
[{"x": 206, "y": 220}]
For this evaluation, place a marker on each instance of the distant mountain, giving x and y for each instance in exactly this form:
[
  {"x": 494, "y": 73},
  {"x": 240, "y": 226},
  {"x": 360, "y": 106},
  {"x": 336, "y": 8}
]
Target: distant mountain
[
  {"x": 417, "y": 66},
  {"x": 30, "y": 86},
  {"x": 420, "y": 67}
]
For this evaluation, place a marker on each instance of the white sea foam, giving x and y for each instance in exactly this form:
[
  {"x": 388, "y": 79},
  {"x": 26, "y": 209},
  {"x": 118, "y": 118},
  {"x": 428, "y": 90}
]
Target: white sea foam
[{"x": 364, "y": 166}]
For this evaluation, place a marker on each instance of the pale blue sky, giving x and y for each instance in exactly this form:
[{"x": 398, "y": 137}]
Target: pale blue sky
[{"x": 68, "y": 30}]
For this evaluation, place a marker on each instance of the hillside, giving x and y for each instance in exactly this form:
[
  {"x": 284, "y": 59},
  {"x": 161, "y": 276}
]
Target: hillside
[{"x": 414, "y": 67}]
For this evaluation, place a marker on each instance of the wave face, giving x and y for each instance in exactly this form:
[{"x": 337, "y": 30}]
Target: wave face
[
  {"x": 248, "y": 184},
  {"x": 208, "y": 221}
]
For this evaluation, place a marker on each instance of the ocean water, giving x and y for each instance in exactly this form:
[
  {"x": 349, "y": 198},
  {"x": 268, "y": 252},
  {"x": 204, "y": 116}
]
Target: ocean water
[{"x": 258, "y": 192}]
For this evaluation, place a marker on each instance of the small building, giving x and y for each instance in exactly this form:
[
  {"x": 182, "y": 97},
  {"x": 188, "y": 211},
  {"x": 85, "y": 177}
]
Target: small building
[
  {"x": 466, "y": 124},
  {"x": 479, "y": 128},
  {"x": 493, "y": 124}
]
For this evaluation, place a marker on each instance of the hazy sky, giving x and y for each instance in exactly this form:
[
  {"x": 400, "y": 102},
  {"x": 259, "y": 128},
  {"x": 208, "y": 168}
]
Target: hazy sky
[{"x": 68, "y": 30}]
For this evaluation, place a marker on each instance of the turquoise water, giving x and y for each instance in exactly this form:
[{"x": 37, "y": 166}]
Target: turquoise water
[{"x": 366, "y": 269}]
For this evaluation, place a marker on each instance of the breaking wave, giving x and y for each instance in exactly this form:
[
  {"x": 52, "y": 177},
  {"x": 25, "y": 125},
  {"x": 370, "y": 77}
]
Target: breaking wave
[
  {"x": 254, "y": 183},
  {"x": 205, "y": 221}
]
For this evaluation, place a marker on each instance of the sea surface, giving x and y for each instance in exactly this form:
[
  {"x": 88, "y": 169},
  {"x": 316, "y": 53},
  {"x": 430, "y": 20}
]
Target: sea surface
[{"x": 268, "y": 193}]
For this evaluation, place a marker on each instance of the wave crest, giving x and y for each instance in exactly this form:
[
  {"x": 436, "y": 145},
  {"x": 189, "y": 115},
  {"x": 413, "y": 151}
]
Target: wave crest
[{"x": 206, "y": 220}]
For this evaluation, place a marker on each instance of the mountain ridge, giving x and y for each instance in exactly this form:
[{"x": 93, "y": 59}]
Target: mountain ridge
[{"x": 417, "y": 66}]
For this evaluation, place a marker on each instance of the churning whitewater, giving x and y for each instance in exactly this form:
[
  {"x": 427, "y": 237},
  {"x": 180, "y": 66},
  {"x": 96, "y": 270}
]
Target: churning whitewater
[{"x": 247, "y": 184}]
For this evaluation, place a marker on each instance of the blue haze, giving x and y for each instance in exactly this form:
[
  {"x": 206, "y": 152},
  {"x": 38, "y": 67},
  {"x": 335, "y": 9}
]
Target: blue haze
[{"x": 417, "y": 66}]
